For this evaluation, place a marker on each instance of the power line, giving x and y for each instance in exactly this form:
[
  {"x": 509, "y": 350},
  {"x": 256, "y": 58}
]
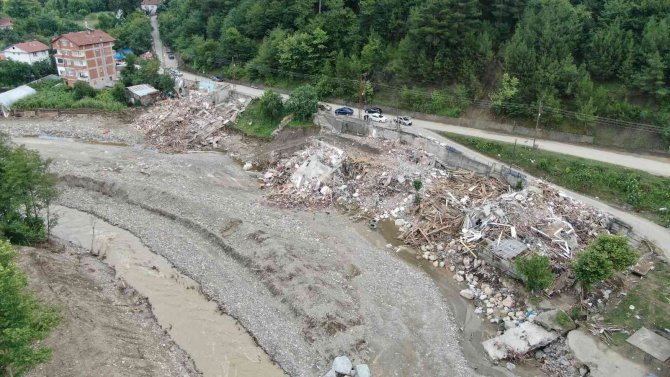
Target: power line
[{"x": 479, "y": 103}]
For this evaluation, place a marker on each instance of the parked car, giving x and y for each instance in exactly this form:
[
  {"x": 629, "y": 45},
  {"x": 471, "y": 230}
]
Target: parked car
[
  {"x": 403, "y": 120},
  {"x": 377, "y": 118},
  {"x": 216, "y": 78},
  {"x": 373, "y": 110},
  {"x": 324, "y": 107},
  {"x": 170, "y": 56},
  {"x": 348, "y": 111}
]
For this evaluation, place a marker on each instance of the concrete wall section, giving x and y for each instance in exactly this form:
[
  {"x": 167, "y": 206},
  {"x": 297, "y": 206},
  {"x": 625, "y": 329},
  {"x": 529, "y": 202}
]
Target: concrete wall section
[{"x": 445, "y": 155}]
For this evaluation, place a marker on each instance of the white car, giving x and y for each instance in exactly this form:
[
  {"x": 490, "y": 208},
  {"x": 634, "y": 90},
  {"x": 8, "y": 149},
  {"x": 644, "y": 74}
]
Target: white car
[{"x": 377, "y": 118}]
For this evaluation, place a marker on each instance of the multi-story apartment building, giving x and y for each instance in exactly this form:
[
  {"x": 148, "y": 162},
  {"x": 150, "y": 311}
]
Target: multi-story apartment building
[
  {"x": 86, "y": 56},
  {"x": 27, "y": 52}
]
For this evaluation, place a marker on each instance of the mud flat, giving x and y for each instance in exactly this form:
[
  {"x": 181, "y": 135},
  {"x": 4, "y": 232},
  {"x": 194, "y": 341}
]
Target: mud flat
[
  {"x": 306, "y": 285},
  {"x": 108, "y": 329},
  {"x": 216, "y": 342}
]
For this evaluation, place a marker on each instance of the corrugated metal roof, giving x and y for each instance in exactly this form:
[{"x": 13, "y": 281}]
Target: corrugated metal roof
[{"x": 142, "y": 89}]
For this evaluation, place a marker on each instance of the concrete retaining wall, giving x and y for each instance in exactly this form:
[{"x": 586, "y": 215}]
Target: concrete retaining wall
[{"x": 444, "y": 154}]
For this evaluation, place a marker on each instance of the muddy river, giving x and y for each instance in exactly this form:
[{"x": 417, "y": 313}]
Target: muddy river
[{"x": 217, "y": 343}]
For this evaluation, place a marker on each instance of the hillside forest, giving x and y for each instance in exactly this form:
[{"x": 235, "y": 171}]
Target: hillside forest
[{"x": 609, "y": 58}]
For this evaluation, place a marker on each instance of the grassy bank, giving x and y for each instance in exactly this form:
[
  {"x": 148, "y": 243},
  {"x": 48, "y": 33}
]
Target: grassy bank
[
  {"x": 55, "y": 94},
  {"x": 650, "y": 299},
  {"x": 633, "y": 189},
  {"x": 253, "y": 123}
]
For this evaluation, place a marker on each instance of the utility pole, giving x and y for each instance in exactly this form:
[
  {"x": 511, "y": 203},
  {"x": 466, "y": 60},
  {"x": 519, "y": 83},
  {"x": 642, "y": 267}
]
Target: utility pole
[
  {"x": 537, "y": 122},
  {"x": 361, "y": 92},
  {"x": 319, "y": 6}
]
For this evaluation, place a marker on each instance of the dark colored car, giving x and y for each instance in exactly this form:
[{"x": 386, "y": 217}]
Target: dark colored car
[
  {"x": 170, "y": 56},
  {"x": 216, "y": 78},
  {"x": 344, "y": 111},
  {"x": 373, "y": 110}
]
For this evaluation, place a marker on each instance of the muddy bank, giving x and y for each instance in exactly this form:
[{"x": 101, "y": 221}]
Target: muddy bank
[
  {"x": 305, "y": 284},
  {"x": 473, "y": 330},
  {"x": 217, "y": 343},
  {"x": 108, "y": 328}
]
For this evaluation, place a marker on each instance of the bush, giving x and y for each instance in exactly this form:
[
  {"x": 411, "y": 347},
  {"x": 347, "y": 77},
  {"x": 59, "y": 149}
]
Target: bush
[
  {"x": 535, "y": 272},
  {"x": 82, "y": 89},
  {"x": 602, "y": 258},
  {"x": 26, "y": 189},
  {"x": 592, "y": 267},
  {"x": 303, "y": 102},
  {"x": 23, "y": 319},
  {"x": 271, "y": 105},
  {"x": 617, "y": 249}
]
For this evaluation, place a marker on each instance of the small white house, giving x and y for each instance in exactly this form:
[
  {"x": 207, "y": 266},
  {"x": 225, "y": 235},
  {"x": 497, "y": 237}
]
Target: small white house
[
  {"x": 27, "y": 52},
  {"x": 150, "y": 6}
]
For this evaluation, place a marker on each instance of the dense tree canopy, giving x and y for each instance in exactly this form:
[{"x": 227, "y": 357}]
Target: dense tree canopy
[{"x": 565, "y": 53}]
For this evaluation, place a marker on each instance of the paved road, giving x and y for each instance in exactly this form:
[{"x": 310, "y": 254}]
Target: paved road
[
  {"x": 656, "y": 233},
  {"x": 652, "y": 164}
]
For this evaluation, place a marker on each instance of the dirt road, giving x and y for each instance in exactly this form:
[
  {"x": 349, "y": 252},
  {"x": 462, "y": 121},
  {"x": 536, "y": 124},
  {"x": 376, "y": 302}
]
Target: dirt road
[
  {"x": 305, "y": 284},
  {"x": 107, "y": 328}
]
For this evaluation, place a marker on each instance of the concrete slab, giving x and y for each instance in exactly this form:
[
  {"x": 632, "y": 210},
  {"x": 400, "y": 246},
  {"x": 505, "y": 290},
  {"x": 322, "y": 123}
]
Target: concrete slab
[
  {"x": 518, "y": 341},
  {"x": 603, "y": 361},
  {"x": 651, "y": 343}
]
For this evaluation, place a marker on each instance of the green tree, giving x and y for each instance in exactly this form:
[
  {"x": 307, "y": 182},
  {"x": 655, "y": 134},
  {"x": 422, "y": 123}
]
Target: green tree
[
  {"x": 604, "y": 256},
  {"x": 15, "y": 73},
  {"x": 127, "y": 6},
  {"x": 82, "y": 89},
  {"x": 134, "y": 33},
  {"x": 611, "y": 52},
  {"x": 26, "y": 189},
  {"x": 236, "y": 46},
  {"x": 271, "y": 105},
  {"x": 21, "y": 8},
  {"x": 303, "y": 52},
  {"x": 541, "y": 52},
  {"x": 303, "y": 102},
  {"x": 617, "y": 249},
  {"x": 509, "y": 87},
  {"x": 23, "y": 319},
  {"x": 535, "y": 272},
  {"x": 592, "y": 267}
]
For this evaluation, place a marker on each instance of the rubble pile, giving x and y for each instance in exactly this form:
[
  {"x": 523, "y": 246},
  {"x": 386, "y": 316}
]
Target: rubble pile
[
  {"x": 190, "y": 122},
  {"x": 322, "y": 174},
  {"x": 455, "y": 218}
]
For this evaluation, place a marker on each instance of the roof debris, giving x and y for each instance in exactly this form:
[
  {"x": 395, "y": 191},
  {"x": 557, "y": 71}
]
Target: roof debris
[{"x": 190, "y": 122}]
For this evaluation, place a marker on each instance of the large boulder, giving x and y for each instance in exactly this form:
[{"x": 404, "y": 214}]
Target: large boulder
[{"x": 342, "y": 365}]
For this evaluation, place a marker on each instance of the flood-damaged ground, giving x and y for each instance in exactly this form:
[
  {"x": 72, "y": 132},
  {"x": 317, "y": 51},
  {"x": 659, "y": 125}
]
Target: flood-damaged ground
[
  {"x": 108, "y": 329},
  {"x": 290, "y": 265},
  {"x": 304, "y": 284}
]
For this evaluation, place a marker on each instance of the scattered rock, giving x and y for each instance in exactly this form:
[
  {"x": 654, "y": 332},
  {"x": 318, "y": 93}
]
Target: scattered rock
[
  {"x": 468, "y": 294},
  {"x": 362, "y": 370},
  {"x": 342, "y": 365},
  {"x": 510, "y": 366},
  {"x": 248, "y": 166}
]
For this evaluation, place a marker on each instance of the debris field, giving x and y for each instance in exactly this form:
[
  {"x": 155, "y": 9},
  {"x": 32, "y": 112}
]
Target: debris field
[
  {"x": 192, "y": 122},
  {"x": 454, "y": 217}
]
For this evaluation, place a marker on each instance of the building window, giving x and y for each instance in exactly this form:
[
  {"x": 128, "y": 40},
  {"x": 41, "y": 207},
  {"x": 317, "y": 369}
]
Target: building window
[
  {"x": 59, "y": 60},
  {"x": 34, "y": 54}
]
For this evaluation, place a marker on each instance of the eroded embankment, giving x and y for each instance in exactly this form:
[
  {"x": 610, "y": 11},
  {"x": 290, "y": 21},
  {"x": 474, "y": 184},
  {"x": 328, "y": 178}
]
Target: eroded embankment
[{"x": 216, "y": 342}]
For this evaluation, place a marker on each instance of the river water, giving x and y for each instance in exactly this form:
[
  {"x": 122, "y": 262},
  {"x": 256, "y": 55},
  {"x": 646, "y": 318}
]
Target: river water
[{"x": 216, "y": 342}]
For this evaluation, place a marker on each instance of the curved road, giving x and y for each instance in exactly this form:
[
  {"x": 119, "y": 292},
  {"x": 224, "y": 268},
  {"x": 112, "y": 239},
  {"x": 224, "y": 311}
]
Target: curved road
[
  {"x": 654, "y": 165},
  {"x": 651, "y": 164}
]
